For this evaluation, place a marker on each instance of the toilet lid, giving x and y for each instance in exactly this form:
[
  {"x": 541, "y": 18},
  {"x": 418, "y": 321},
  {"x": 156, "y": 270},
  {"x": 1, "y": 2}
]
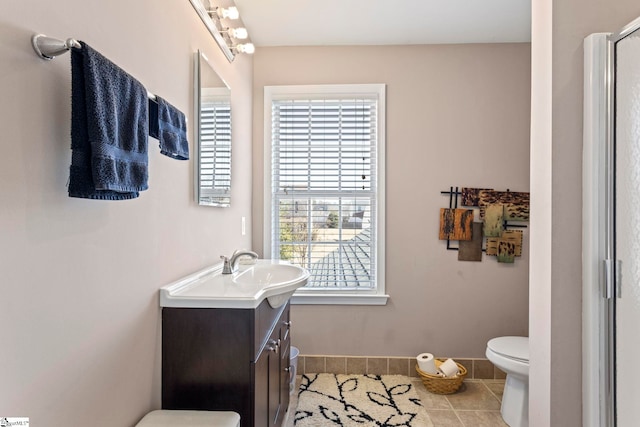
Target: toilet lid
[
  {"x": 512, "y": 347},
  {"x": 172, "y": 418}
]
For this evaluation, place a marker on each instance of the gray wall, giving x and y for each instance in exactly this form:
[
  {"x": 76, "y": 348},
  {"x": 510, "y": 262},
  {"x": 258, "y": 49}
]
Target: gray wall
[
  {"x": 457, "y": 115},
  {"x": 79, "y": 279},
  {"x": 559, "y": 28}
]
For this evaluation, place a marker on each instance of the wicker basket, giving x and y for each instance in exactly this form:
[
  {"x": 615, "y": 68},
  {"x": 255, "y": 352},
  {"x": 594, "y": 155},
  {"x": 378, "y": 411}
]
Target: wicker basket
[{"x": 442, "y": 385}]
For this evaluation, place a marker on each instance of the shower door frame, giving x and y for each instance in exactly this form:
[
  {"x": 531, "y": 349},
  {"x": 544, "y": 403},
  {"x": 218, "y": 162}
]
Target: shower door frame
[{"x": 600, "y": 269}]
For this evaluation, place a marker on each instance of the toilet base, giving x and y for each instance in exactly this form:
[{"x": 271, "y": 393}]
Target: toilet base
[{"x": 515, "y": 402}]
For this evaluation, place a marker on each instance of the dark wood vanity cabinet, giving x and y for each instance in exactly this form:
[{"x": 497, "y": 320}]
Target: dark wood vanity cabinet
[{"x": 228, "y": 359}]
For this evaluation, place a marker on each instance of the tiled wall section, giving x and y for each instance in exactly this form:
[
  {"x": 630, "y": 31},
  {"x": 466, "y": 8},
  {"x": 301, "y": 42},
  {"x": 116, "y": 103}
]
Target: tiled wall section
[{"x": 477, "y": 368}]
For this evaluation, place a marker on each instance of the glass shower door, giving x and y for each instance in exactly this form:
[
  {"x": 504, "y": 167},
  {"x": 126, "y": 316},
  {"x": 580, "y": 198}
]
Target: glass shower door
[{"x": 627, "y": 228}]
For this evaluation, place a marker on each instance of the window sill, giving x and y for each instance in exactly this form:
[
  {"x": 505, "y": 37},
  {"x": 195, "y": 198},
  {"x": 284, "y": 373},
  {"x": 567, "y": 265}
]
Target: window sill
[{"x": 323, "y": 298}]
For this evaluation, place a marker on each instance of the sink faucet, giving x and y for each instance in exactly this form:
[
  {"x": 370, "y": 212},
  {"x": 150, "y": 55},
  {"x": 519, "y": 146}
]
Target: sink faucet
[{"x": 230, "y": 263}]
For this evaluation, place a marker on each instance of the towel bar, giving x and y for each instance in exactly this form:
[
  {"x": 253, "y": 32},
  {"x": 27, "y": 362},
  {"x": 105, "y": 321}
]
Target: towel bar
[{"x": 48, "y": 48}]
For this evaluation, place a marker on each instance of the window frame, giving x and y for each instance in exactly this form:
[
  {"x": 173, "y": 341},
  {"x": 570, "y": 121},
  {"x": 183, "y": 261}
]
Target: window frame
[{"x": 375, "y": 296}]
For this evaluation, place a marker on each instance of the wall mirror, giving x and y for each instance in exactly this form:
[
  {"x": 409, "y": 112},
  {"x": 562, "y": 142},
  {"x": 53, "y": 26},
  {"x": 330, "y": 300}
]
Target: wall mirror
[{"x": 213, "y": 135}]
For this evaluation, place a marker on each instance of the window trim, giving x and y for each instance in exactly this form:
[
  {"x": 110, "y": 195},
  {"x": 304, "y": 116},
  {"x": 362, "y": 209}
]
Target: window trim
[{"x": 347, "y": 297}]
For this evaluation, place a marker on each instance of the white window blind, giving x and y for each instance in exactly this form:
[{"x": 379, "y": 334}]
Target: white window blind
[
  {"x": 324, "y": 188},
  {"x": 215, "y": 150}
]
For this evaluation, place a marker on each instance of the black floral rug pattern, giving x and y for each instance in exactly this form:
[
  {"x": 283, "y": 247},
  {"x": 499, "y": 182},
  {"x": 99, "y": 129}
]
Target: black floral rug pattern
[{"x": 328, "y": 400}]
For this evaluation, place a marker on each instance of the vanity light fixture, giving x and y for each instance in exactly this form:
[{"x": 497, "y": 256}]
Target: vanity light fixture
[{"x": 224, "y": 36}]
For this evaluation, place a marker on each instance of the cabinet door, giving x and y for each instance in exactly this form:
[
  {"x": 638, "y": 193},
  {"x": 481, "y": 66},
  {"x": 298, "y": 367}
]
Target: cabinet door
[
  {"x": 285, "y": 362},
  {"x": 261, "y": 396},
  {"x": 274, "y": 378}
]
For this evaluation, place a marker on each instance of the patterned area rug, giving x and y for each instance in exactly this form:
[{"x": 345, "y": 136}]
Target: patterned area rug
[{"x": 328, "y": 400}]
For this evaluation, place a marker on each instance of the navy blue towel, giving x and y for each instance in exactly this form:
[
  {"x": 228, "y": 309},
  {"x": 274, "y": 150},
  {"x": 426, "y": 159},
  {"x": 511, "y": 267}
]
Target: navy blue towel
[
  {"x": 169, "y": 126},
  {"x": 109, "y": 128}
]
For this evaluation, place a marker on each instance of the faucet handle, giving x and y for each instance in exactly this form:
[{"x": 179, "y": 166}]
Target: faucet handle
[{"x": 226, "y": 267}]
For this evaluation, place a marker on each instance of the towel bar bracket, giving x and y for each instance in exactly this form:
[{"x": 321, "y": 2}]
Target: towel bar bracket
[{"x": 49, "y": 47}]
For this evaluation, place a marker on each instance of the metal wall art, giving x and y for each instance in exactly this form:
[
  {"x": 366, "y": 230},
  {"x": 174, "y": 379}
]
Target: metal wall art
[{"x": 498, "y": 211}]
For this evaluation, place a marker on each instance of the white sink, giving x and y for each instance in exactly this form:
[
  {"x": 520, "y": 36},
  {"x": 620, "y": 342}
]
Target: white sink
[{"x": 273, "y": 280}]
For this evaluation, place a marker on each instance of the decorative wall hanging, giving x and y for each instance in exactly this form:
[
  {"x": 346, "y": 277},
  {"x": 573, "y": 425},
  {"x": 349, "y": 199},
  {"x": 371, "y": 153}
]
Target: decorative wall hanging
[{"x": 498, "y": 210}]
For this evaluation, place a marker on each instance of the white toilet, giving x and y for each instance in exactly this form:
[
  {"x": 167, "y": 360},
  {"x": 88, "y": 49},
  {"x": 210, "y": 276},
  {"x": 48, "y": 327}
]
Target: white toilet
[{"x": 511, "y": 355}]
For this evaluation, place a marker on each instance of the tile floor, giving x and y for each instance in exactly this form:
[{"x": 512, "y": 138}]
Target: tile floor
[{"x": 476, "y": 404}]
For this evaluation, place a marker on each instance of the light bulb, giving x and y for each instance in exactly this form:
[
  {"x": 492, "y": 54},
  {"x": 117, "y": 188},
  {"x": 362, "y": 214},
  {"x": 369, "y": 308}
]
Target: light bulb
[
  {"x": 228, "y": 13},
  {"x": 240, "y": 33},
  {"x": 246, "y": 48}
]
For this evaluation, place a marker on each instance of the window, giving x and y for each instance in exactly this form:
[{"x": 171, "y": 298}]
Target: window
[{"x": 324, "y": 188}]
